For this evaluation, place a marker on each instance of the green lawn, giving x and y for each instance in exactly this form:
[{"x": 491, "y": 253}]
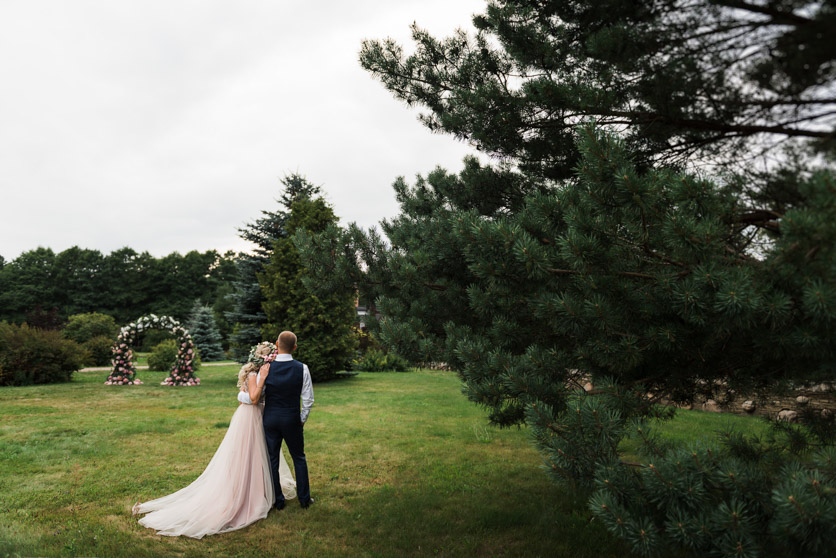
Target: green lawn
[
  {"x": 401, "y": 464},
  {"x": 141, "y": 359}
]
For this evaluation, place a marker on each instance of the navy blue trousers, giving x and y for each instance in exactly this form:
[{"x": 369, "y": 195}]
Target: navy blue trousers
[{"x": 285, "y": 424}]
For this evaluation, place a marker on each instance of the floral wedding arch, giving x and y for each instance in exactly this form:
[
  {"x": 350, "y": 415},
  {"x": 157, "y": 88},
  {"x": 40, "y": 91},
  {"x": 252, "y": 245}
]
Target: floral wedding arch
[{"x": 124, "y": 371}]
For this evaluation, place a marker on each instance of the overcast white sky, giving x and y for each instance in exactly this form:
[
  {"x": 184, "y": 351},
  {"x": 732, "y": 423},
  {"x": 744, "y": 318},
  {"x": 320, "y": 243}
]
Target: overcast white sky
[{"x": 164, "y": 125}]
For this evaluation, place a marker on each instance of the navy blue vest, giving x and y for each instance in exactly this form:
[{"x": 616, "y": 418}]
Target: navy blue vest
[{"x": 283, "y": 386}]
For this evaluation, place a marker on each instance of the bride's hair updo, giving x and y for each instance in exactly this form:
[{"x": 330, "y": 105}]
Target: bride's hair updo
[
  {"x": 263, "y": 349},
  {"x": 245, "y": 371}
]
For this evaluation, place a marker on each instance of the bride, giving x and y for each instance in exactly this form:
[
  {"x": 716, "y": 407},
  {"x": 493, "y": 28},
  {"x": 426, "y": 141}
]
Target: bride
[{"x": 236, "y": 489}]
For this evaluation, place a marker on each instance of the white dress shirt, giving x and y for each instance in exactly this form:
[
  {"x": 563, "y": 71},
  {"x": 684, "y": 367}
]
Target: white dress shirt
[{"x": 307, "y": 388}]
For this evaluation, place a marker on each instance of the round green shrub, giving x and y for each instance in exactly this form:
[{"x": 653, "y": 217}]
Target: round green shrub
[
  {"x": 151, "y": 339},
  {"x": 30, "y": 355},
  {"x": 100, "y": 350},
  {"x": 376, "y": 360},
  {"x": 164, "y": 355},
  {"x": 365, "y": 340},
  {"x": 84, "y": 327}
]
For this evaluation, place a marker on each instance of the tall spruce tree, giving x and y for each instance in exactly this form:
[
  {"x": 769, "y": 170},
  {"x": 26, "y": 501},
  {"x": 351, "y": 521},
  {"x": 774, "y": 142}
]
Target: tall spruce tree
[
  {"x": 248, "y": 316},
  {"x": 321, "y": 321},
  {"x": 204, "y": 331},
  {"x": 579, "y": 254}
]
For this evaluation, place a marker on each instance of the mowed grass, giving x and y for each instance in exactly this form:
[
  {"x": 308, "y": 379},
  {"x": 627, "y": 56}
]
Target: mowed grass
[
  {"x": 400, "y": 464},
  {"x": 689, "y": 426}
]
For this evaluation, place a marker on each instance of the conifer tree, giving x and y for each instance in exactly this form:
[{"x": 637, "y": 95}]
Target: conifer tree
[
  {"x": 248, "y": 316},
  {"x": 645, "y": 251},
  {"x": 722, "y": 80},
  {"x": 321, "y": 321},
  {"x": 625, "y": 268},
  {"x": 204, "y": 331}
]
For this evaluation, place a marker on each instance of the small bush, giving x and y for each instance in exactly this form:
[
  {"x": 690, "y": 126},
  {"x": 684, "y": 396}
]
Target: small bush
[
  {"x": 365, "y": 340},
  {"x": 36, "y": 356},
  {"x": 84, "y": 327},
  {"x": 100, "y": 350},
  {"x": 151, "y": 339},
  {"x": 377, "y": 361},
  {"x": 164, "y": 355},
  {"x": 204, "y": 332}
]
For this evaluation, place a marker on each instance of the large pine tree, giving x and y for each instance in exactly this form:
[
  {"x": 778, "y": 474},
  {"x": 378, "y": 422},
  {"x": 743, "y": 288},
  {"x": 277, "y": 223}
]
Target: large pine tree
[
  {"x": 614, "y": 251},
  {"x": 519, "y": 271}
]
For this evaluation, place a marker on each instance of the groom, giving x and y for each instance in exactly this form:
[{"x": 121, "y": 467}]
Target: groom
[{"x": 287, "y": 381}]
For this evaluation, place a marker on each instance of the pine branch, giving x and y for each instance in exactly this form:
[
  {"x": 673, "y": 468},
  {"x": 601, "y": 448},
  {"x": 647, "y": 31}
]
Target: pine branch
[
  {"x": 763, "y": 218},
  {"x": 634, "y": 274},
  {"x": 787, "y": 18},
  {"x": 639, "y": 117}
]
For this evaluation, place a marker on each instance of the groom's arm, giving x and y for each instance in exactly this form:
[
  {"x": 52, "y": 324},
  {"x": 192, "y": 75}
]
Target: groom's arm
[{"x": 307, "y": 393}]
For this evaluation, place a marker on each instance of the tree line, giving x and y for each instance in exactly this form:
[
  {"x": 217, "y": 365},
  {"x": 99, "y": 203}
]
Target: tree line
[
  {"x": 252, "y": 295},
  {"x": 44, "y": 288}
]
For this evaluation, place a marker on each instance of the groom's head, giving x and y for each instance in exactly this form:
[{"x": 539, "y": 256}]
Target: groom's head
[{"x": 286, "y": 342}]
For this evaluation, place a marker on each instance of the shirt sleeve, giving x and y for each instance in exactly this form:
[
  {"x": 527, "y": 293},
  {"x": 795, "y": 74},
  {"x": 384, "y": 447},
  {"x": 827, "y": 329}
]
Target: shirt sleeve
[{"x": 307, "y": 393}]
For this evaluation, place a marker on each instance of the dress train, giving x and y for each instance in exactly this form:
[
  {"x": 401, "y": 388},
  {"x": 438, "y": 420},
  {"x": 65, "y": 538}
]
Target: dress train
[{"x": 235, "y": 489}]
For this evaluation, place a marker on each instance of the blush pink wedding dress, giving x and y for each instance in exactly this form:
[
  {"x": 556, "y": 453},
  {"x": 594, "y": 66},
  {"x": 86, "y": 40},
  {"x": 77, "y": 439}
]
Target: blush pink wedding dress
[{"x": 235, "y": 489}]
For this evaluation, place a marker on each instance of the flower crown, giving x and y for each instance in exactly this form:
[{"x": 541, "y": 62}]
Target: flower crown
[{"x": 263, "y": 353}]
